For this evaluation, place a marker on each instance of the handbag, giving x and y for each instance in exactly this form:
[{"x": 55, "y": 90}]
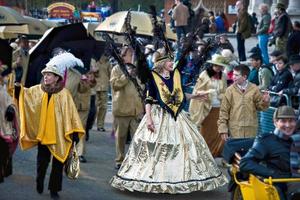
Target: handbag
[{"x": 72, "y": 164}]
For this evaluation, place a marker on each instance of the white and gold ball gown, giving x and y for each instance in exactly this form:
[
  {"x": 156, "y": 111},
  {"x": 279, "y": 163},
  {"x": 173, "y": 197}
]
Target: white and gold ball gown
[{"x": 174, "y": 158}]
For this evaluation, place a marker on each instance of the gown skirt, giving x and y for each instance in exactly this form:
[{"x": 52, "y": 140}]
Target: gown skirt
[{"x": 173, "y": 159}]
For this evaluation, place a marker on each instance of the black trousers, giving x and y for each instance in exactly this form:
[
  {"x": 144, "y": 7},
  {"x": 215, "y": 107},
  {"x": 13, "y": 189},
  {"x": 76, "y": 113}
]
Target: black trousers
[
  {"x": 241, "y": 47},
  {"x": 43, "y": 159},
  {"x": 5, "y": 160}
]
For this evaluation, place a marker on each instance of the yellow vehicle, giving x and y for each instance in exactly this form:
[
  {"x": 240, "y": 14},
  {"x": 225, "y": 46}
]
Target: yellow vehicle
[{"x": 255, "y": 188}]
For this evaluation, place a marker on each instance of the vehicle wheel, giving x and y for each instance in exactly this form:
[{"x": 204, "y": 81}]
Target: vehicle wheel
[{"x": 236, "y": 194}]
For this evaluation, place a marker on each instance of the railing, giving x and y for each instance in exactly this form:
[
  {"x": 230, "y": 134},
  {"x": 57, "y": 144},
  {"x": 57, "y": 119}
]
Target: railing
[{"x": 265, "y": 118}]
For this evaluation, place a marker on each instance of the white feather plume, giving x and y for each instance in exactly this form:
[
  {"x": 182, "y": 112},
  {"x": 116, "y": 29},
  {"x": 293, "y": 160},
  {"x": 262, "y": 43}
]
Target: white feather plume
[{"x": 65, "y": 61}]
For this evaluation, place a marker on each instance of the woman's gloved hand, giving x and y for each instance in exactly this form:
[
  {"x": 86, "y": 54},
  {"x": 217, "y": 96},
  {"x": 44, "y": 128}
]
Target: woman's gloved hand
[
  {"x": 75, "y": 138},
  {"x": 19, "y": 73},
  {"x": 10, "y": 113}
]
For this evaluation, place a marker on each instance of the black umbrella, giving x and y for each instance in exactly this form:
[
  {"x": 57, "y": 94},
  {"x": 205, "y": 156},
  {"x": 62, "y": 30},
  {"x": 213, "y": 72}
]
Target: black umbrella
[
  {"x": 73, "y": 38},
  {"x": 5, "y": 56}
]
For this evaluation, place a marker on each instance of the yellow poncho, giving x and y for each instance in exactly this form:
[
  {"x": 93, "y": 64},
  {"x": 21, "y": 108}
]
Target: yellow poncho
[{"x": 50, "y": 123}]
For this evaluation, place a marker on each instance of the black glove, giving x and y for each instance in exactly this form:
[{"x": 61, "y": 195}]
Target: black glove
[
  {"x": 19, "y": 73},
  {"x": 10, "y": 113},
  {"x": 75, "y": 138}
]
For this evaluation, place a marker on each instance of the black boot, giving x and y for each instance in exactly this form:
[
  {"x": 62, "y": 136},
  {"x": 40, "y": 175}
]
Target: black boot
[
  {"x": 39, "y": 186},
  {"x": 54, "y": 195}
]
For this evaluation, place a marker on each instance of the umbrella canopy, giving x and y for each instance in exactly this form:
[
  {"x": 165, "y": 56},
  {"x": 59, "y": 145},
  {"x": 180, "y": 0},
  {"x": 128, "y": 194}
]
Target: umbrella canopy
[
  {"x": 49, "y": 23},
  {"x": 35, "y": 26},
  {"x": 6, "y": 34},
  {"x": 73, "y": 38},
  {"x": 32, "y": 27},
  {"x": 91, "y": 27},
  {"x": 141, "y": 20},
  {"x": 9, "y": 16},
  {"x": 5, "y": 58}
]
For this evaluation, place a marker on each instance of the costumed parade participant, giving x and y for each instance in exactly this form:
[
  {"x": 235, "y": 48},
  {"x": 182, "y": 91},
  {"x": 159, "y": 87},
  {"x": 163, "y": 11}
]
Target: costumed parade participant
[
  {"x": 9, "y": 127},
  {"x": 205, "y": 113},
  {"x": 167, "y": 153},
  {"x": 49, "y": 120}
]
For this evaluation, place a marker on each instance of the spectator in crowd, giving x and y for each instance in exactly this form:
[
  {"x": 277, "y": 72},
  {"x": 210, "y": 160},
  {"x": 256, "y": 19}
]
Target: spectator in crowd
[
  {"x": 262, "y": 31},
  {"x": 220, "y": 24},
  {"x": 224, "y": 43},
  {"x": 180, "y": 15},
  {"x": 190, "y": 72},
  {"x": 276, "y": 155},
  {"x": 272, "y": 24},
  {"x": 211, "y": 13},
  {"x": 172, "y": 22},
  {"x": 233, "y": 61},
  {"x": 205, "y": 24},
  {"x": 238, "y": 111},
  {"x": 265, "y": 72},
  {"x": 294, "y": 86},
  {"x": 226, "y": 22},
  {"x": 273, "y": 59},
  {"x": 205, "y": 113},
  {"x": 243, "y": 29},
  {"x": 253, "y": 75},
  {"x": 283, "y": 27},
  {"x": 293, "y": 43},
  {"x": 280, "y": 81},
  {"x": 283, "y": 76},
  {"x": 254, "y": 23},
  {"x": 212, "y": 25}
]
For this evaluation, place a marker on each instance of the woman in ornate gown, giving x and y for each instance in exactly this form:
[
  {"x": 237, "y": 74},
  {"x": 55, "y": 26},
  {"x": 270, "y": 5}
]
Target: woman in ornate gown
[{"x": 167, "y": 153}]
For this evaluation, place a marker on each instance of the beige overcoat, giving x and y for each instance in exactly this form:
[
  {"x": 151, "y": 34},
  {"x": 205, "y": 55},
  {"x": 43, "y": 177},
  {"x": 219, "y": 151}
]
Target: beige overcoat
[
  {"x": 238, "y": 112},
  {"x": 200, "y": 109}
]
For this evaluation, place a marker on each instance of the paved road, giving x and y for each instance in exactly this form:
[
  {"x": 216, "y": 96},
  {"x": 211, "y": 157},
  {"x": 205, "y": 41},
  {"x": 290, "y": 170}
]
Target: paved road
[{"x": 93, "y": 182}]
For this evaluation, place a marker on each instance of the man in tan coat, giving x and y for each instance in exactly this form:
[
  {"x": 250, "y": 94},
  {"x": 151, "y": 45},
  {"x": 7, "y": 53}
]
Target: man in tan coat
[
  {"x": 243, "y": 29},
  {"x": 126, "y": 103},
  {"x": 103, "y": 68},
  {"x": 20, "y": 59},
  {"x": 82, "y": 102},
  {"x": 242, "y": 100},
  {"x": 180, "y": 16}
]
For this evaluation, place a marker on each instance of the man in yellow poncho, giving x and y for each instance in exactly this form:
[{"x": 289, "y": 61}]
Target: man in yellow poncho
[{"x": 48, "y": 119}]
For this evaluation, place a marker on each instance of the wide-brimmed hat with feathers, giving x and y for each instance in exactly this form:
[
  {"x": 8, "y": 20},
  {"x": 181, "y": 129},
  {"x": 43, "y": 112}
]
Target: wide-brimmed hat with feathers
[
  {"x": 60, "y": 63},
  {"x": 219, "y": 60}
]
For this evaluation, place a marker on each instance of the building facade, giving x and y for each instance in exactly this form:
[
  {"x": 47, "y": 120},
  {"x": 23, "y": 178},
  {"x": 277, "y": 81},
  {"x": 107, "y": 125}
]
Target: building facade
[
  {"x": 293, "y": 6},
  {"x": 227, "y": 6}
]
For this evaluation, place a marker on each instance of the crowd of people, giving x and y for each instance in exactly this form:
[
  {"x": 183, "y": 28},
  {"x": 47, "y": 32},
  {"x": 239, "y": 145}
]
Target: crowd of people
[{"x": 196, "y": 96}]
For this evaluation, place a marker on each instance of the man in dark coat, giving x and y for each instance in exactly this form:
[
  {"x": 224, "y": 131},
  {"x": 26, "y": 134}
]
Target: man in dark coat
[
  {"x": 283, "y": 26},
  {"x": 279, "y": 152},
  {"x": 294, "y": 87},
  {"x": 293, "y": 43}
]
